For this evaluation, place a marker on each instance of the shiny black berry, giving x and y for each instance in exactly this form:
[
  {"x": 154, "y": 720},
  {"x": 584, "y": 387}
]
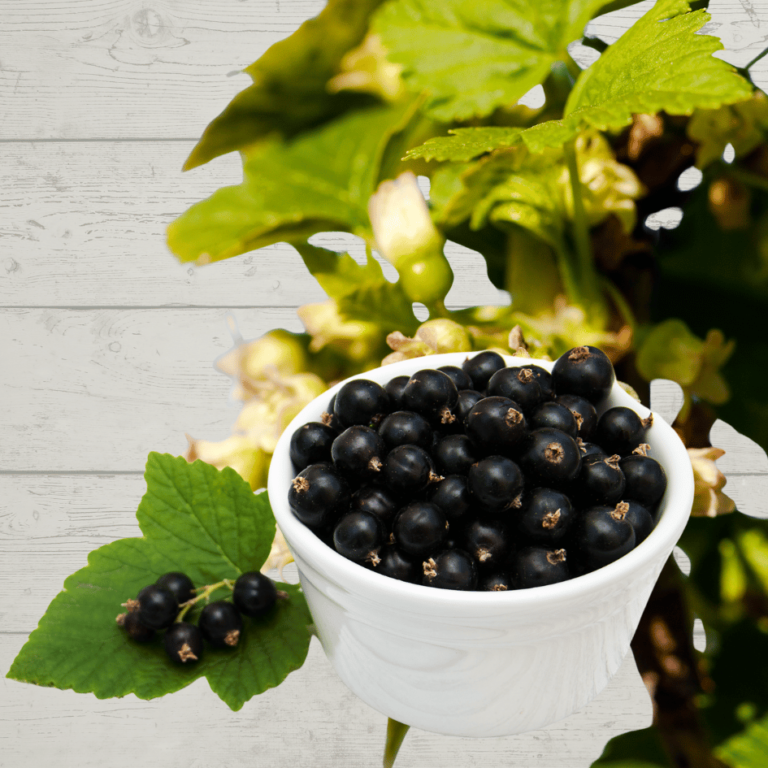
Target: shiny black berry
[
  {"x": 454, "y": 455},
  {"x": 311, "y": 444},
  {"x": 157, "y": 607},
  {"x": 452, "y": 496},
  {"x": 603, "y": 536},
  {"x": 640, "y": 518},
  {"x": 600, "y": 481},
  {"x": 451, "y": 569},
  {"x": 646, "y": 480},
  {"x": 393, "y": 563},
  {"x": 405, "y": 428},
  {"x": 553, "y": 415},
  {"x": 254, "y": 594},
  {"x": 375, "y": 500},
  {"x": 544, "y": 377},
  {"x": 408, "y": 470},
  {"x": 361, "y": 402},
  {"x": 583, "y": 371},
  {"x": 517, "y": 384},
  {"x": 495, "y": 582},
  {"x": 590, "y": 449},
  {"x": 496, "y": 425},
  {"x": 420, "y": 528},
  {"x": 546, "y": 517},
  {"x": 621, "y": 430},
  {"x": 432, "y": 394},
  {"x": 458, "y": 376},
  {"x": 468, "y": 399},
  {"x": 180, "y": 584},
  {"x": 550, "y": 458},
  {"x": 136, "y": 630},
  {"x": 358, "y": 536},
  {"x": 496, "y": 483},
  {"x": 358, "y": 452},
  {"x": 584, "y": 413},
  {"x": 538, "y": 567},
  {"x": 394, "y": 389},
  {"x": 329, "y": 419},
  {"x": 221, "y": 624},
  {"x": 184, "y": 643},
  {"x": 488, "y": 541},
  {"x": 318, "y": 495},
  {"x": 481, "y": 367}
]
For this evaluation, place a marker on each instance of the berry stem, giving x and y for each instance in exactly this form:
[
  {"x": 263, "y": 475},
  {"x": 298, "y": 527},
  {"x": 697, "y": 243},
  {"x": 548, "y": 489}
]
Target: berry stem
[{"x": 205, "y": 593}]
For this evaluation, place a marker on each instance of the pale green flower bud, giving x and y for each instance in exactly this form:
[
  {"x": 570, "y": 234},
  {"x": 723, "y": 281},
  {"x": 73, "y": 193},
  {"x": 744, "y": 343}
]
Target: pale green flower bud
[
  {"x": 358, "y": 340},
  {"x": 236, "y": 451},
  {"x": 434, "y": 337}
]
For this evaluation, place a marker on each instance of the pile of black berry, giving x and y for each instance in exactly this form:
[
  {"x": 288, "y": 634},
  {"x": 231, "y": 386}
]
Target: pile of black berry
[
  {"x": 481, "y": 477},
  {"x": 164, "y": 604}
]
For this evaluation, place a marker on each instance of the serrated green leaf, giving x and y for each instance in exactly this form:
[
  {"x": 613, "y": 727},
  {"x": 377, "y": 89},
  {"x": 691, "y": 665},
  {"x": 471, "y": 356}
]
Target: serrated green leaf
[
  {"x": 318, "y": 182},
  {"x": 474, "y": 57},
  {"x": 289, "y": 92},
  {"x": 201, "y": 521},
  {"x": 658, "y": 64}
]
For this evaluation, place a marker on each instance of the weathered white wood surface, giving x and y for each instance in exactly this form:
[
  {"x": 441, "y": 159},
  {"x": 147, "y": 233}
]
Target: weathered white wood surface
[{"x": 107, "y": 347}]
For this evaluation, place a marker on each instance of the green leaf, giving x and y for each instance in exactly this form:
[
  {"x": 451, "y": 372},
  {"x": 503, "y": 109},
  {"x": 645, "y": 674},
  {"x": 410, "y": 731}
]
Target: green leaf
[
  {"x": 318, "y": 182},
  {"x": 396, "y": 733},
  {"x": 289, "y": 92},
  {"x": 195, "y": 519},
  {"x": 658, "y": 64},
  {"x": 747, "y": 749},
  {"x": 636, "y": 749},
  {"x": 474, "y": 57}
]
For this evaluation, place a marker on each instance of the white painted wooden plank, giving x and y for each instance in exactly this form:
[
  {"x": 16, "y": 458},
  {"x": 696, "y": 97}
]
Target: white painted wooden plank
[
  {"x": 77, "y": 69},
  {"x": 83, "y": 224}
]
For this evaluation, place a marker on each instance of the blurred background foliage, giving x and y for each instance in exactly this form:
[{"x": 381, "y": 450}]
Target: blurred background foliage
[{"x": 560, "y": 199}]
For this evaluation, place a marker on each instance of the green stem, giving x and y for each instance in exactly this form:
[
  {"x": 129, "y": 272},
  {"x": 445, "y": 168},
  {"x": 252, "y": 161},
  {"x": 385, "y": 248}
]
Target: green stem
[
  {"x": 206, "y": 592},
  {"x": 395, "y": 735},
  {"x": 755, "y": 60}
]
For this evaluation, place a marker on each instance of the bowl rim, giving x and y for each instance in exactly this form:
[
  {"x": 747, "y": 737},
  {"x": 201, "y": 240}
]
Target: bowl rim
[{"x": 307, "y": 547}]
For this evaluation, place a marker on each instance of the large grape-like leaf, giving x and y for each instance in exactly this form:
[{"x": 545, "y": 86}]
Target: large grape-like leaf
[
  {"x": 289, "y": 92},
  {"x": 658, "y": 64},
  {"x": 195, "y": 519},
  {"x": 472, "y": 57},
  {"x": 320, "y": 181}
]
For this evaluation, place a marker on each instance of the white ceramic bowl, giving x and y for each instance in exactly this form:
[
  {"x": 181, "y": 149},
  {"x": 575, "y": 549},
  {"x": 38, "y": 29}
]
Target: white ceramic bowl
[{"x": 479, "y": 663}]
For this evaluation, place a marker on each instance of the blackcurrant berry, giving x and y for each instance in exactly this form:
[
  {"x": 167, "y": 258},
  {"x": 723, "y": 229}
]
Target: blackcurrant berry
[
  {"x": 405, "y": 428},
  {"x": 600, "y": 481},
  {"x": 496, "y": 425},
  {"x": 640, "y": 518},
  {"x": 454, "y": 455},
  {"x": 318, "y": 495},
  {"x": 646, "y": 480},
  {"x": 603, "y": 536},
  {"x": 311, "y": 444},
  {"x": 394, "y": 389},
  {"x": 377, "y": 501},
  {"x": 620, "y": 430},
  {"x": 554, "y": 416},
  {"x": 583, "y": 371},
  {"x": 481, "y": 367},
  {"x": 254, "y": 594},
  {"x": 358, "y": 452},
  {"x": 495, "y": 582},
  {"x": 184, "y": 643},
  {"x": 544, "y": 377},
  {"x": 551, "y": 458},
  {"x": 452, "y": 496},
  {"x": 180, "y": 584},
  {"x": 361, "y": 402},
  {"x": 590, "y": 449},
  {"x": 407, "y": 470},
  {"x": 488, "y": 541},
  {"x": 468, "y": 399},
  {"x": 358, "y": 536},
  {"x": 432, "y": 394},
  {"x": 517, "y": 384},
  {"x": 451, "y": 569},
  {"x": 157, "y": 607},
  {"x": 420, "y": 528},
  {"x": 221, "y": 624},
  {"x": 459, "y": 377},
  {"x": 496, "y": 482},
  {"x": 538, "y": 567},
  {"x": 396, "y": 565},
  {"x": 329, "y": 419},
  {"x": 136, "y": 630},
  {"x": 584, "y": 413},
  {"x": 546, "y": 518}
]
